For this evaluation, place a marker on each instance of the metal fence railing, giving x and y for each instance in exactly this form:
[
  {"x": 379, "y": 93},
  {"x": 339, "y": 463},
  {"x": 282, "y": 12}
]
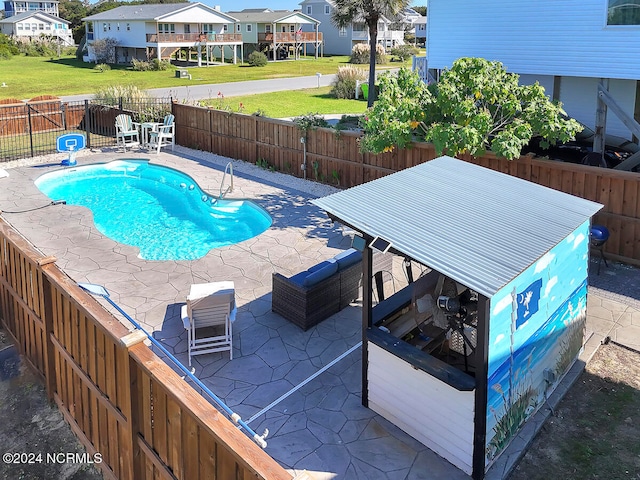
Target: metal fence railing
[{"x": 29, "y": 129}]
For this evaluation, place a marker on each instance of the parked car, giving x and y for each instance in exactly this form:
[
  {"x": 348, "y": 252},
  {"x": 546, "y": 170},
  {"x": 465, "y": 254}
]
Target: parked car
[{"x": 616, "y": 150}]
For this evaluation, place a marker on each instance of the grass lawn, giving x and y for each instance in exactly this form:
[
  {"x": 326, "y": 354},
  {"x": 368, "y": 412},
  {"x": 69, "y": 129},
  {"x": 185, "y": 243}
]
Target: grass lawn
[
  {"x": 291, "y": 103},
  {"x": 27, "y": 77}
]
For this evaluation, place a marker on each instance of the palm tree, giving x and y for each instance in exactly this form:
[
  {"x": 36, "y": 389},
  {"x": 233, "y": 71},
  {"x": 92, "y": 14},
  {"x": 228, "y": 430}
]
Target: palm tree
[{"x": 346, "y": 11}]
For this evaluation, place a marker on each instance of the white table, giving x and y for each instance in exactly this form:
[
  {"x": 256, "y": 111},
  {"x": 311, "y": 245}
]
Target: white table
[{"x": 148, "y": 127}]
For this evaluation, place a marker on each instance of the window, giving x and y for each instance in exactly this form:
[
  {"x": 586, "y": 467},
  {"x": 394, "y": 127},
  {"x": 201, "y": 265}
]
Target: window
[
  {"x": 225, "y": 28},
  {"x": 128, "y": 27},
  {"x": 40, "y": 26},
  {"x": 47, "y": 26},
  {"x": 118, "y": 26},
  {"x": 166, "y": 28},
  {"x": 248, "y": 27},
  {"x": 623, "y": 13},
  {"x": 238, "y": 28},
  {"x": 104, "y": 27},
  {"x": 187, "y": 28},
  {"x": 267, "y": 29},
  {"x": 19, "y": 26},
  {"x": 342, "y": 32},
  {"x": 309, "y": 10},
  {"x": 359, "y": 27},
  {"x": 207, "y": 28},
  {"x": 292, "y": 29},
  {"x": 327, "y": 10}
]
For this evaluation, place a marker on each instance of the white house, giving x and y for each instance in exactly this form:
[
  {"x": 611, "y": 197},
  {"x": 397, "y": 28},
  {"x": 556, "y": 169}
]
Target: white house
[
  {"x": 340, "y": 41},
  {"x": 157, "y": 31},
  {"x": 278, "y": 31},
  {"x": 566, "y": 47},
  {"x": 35, "y": 24}
]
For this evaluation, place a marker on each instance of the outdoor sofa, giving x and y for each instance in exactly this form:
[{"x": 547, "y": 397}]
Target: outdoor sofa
[{"x": 311, "y": 296}]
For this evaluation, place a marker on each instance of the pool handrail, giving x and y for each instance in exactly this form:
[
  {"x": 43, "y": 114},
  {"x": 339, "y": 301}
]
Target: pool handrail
[{"x": 228, "y": 168}]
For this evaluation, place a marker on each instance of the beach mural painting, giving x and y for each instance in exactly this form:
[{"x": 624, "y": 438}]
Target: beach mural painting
[{"x": 536, "y": 333}]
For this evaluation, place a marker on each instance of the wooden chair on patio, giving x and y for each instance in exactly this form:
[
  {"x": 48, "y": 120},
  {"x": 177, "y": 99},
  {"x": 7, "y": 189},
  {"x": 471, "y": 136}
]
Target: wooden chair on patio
[
  {"x": 127, "y": 131},
  {"x": 164, "y": 134},
  {"x": 210, "y": 306}
]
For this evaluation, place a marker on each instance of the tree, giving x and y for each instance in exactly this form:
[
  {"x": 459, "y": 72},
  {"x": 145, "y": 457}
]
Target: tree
[
  {"x": 476, "y": 106},
  {"x": 421, "y": 9},
  {"x": 346, "y": 11},
  {"x": 105, "y": 50},
  {"x": 74, "y": 11}
]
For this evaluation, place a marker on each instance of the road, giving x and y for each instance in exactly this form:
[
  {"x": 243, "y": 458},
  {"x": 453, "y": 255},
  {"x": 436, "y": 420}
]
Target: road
[{"x": 200, "y": 92}]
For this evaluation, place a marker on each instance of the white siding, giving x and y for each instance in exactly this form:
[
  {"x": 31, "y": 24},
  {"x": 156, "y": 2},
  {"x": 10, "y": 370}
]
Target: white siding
[
  {"x": 188, "y": 15},
  {"x": 429, "y": 410},
  {"x": 136, "y": 37},
  {"x": 548, "y": 37},
  {"x": 579, "y": 96}
]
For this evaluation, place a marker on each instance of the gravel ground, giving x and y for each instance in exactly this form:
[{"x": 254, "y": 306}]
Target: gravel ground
[{"x": 618, "y": 281}]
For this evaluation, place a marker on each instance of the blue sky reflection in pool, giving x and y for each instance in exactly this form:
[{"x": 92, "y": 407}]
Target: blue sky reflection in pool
[{"x": 161, "y": 211}]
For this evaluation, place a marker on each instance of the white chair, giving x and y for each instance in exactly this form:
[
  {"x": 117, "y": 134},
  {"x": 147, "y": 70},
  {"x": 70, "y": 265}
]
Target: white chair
[
  {"x": 127, "y": 131},
  {"x": 163, "y": 135},
  {"x": 211, "y": 306}
]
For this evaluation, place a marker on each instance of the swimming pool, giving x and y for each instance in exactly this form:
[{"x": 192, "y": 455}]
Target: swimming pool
[{"x": 160, "y": 210}]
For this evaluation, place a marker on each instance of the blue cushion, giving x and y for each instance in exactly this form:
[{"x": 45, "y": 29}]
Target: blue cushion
[
  {"x": 348, "y": 258},
  {"x": 298, "y": 278},
  {"x": 319, "y": 275},
  {"x": 317, "y": 267}
]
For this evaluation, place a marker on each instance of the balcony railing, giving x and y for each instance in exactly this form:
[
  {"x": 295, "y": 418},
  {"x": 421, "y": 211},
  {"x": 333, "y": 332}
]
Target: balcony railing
[
  {"x": 194, "y": 37},
  {"x": 286, "y": 37}
]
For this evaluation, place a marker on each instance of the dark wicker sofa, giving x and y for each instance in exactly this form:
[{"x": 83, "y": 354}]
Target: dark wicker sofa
[{"x": 311, "y": 296}]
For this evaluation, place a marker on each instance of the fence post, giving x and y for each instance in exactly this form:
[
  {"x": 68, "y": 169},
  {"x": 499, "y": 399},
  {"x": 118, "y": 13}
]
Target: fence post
[
  {"x": 131, "y": 458},
  {"x": 87, "y": 122},
  {"x": 30, "y": 129},
  {"x": 47, "y": 319}
]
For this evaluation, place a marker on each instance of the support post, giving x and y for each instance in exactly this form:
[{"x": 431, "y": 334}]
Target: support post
[
  {"x": 367, "y": 317},
  {"x": 601, "y": 122}
]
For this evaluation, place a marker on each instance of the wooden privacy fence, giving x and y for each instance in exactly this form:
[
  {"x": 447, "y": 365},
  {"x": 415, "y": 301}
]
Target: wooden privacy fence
[
  {"x": 335, "y": 158},
  {"x": 119, "y": 398}
]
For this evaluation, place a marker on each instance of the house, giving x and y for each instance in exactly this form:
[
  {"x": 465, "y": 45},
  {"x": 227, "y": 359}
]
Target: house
[
  {"x": 149, "y": 31},
  {"x": 470, "y": 349},
  {"x": 36, "y": 24},
  {"x": 279, "y": 31},
  {"x": 420, "y": 26},
  {"x": 340, "y": 41},
  {"x": 14, "y": 7},
  {"x": 566, "y": 47}
]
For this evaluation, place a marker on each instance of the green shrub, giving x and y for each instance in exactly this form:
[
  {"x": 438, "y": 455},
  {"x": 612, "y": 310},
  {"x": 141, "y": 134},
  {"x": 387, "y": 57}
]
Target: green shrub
[
  {"x": 402, "y": 53},
  {"x": 38, "y": 49},
  {"x": 5, "y": 53},
  {"x": 140, "y": 65},
  {"x": 160, "y": 65},
  {"x": 102, "y": 67},
  {"x": 257, "y": 59},
  {"x": 360, "y": 54},
  {"x": 344, "y": 85}
]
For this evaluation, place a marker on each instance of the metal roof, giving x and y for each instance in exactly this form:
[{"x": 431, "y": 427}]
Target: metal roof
[
  {"x": 25, "y": 15},
  {"x": 151, "y": 12},
  {"x": 477, "y": 226}
]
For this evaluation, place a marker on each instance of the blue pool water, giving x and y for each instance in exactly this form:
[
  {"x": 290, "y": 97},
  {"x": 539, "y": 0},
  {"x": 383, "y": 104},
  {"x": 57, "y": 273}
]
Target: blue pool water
[{"x": 161, "y": 211}]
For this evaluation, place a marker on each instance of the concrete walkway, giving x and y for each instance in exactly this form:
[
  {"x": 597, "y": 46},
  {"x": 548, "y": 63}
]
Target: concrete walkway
[{"x": 320, "y": 427}]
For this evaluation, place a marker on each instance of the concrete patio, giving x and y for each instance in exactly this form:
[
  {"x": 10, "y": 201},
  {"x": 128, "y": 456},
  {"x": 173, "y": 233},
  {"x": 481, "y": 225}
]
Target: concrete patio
[{"x": 320, "y": 427}]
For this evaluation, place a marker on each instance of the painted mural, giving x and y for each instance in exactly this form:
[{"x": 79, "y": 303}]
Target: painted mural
[{"x": 536, "y": 332}]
